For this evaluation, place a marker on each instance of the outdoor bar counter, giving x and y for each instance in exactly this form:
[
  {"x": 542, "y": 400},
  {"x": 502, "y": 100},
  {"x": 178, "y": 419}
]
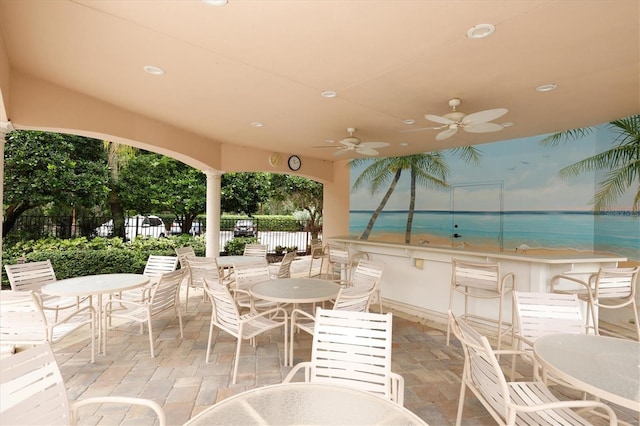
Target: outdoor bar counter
[{"x": 417, "y": 278}]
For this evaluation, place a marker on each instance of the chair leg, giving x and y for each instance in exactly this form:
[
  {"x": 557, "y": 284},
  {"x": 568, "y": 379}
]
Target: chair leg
[
  {"x": 235, "y": 363},
  {"x": 451, "y": 309},
  {"x": 460, "y": 403},
  {"x": 206, "y": 360},
  {"x": 186, "y": 300},
  {"x": 635, "y": 314},
  {"x": 153, "y": 354}
]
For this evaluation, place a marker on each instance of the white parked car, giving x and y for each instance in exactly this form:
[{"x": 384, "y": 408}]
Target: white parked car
[{"x": 148, "y": 226}]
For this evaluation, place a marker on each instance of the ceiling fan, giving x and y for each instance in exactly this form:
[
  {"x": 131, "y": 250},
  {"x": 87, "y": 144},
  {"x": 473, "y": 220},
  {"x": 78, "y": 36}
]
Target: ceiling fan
[
  {"x": 352, "y": 143},
  {"x": 478, "y": 122}
]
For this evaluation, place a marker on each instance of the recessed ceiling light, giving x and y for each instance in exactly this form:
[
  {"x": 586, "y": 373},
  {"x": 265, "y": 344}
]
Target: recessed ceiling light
[
  {"x": 151, "y": 69},
  {"x": 329, "y": 94},
  {"x": 257, "y": 124},
  {"x": 330, "y": 140},
  {"x": 546, "y": 88},
  {"x": 404, "y": 144},
  {"x": 508, "y": 124},
  {"x": 480, "y": 31},
  {"x": 215, "y": 2},
  {"x": 409, "y": 121}
]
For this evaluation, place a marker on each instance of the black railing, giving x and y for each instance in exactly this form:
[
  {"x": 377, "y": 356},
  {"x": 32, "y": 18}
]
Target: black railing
[{"x": 276, "y": 236}]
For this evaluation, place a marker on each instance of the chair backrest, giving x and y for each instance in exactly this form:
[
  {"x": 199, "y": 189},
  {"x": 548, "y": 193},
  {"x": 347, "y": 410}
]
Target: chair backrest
[
  {"x": 538, "y": 314},
  {"x": 615, "y": 283},
  {"x": 32, "y": 389},
  {"x": 200, "y": 268},
  {"x": 367, "y": 274},
  {"x": 284, "y": 271},
  {"x": 22, "y": 320},
  {"x": 225, "y": 311},
  {"x": 247, "y": 274},
  {"x": 184, "y": 253},
  {"x": 338, "y": 254},
  {"x": 352, "y": 349},
  {"x": 481, "y": 368},
  {"x": 30, "y": 275},
  {"x": 255, "y": 250},
  {"x": 484, "y": 276},
  {"x": 166, "y": 294},
  {"x": 353, "y": 299},
  {"x": 158, "y": 265}
]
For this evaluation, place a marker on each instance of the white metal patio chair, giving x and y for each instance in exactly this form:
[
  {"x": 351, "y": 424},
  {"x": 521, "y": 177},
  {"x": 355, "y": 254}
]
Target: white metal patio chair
[
  {"x": 255, "y": 250},
  {"x": 481, "y": 281},
  {"x": 538, "y": 314},
  {"x": 32, "y": 391},
  {"x": 511, "y": 403},
  {"x": 248, "y": 274},
  {"x": 339, "y": 262},
  {"x": 367, "y": 274},
  {"x": 353, "y": 348},
  {"x": 609, "y": 288},
  {"x": 23, "y": 321},
  {"x": 226, "y": 316},
  {"x": 184, "y": 253},
  {"x": 199, "y": 268},
  {"x": 165, "y": 295},
  {"x": 348, "y": 299},
  {"x": 32, "y": 276},
  {"x": 284, "y": 270},
  {"x": 318, "y": 255}
]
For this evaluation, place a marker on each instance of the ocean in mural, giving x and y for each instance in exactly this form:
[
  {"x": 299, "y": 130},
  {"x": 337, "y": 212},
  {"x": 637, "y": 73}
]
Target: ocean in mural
[{"x": 617, "y": 232}]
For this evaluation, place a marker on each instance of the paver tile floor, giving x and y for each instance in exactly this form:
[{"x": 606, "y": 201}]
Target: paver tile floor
[{"x": 183, "y": 384}]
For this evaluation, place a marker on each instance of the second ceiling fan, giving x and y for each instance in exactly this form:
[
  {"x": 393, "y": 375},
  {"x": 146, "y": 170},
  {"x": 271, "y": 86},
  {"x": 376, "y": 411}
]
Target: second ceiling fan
[
  {"x": 352, "y": 143},
  {"x": 478, "y": 122}
]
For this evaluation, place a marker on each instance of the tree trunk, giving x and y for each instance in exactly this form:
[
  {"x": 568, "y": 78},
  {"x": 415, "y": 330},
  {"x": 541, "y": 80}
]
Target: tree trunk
[
  {"x": 383, "y": 202},
  {"x": 412, "y": 206}
]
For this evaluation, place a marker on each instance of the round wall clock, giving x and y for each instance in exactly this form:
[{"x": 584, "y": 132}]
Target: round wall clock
[
  {"x": 294, "y": 163},
  {"x": 275, "y": 159}
]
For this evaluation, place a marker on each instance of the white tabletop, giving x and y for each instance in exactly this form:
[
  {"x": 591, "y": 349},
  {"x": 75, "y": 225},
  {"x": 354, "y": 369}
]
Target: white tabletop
[
  {"x": 95, "y": 284},
  {"x": 305, "y": 404},
  {"x": 295, "y": 290},
  {"x": 228, "y": 261},
  {"x": 603, "y": 366}
]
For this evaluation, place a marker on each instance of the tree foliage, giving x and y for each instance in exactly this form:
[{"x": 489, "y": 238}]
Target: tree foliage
[
  {"x": 151, "y": 182},
  {"x": 621, "y": 161},
  {"x": 303, "y": 194},
  {"x": 51, "y": 169},
  {"x": 244, "y": 192}
]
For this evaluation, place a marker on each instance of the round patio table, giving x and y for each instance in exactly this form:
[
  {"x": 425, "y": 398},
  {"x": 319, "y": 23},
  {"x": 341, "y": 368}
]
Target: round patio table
[
  {"x": 295, "y": 290},
  {"x": 305, "y": 404},
  {"x": 603, "y": 366},
  {"x": 90, "y": 285}
]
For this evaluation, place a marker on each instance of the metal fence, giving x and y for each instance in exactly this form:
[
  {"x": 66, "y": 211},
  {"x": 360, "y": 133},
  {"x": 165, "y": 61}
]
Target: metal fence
[{"x": 35, "y": 227}]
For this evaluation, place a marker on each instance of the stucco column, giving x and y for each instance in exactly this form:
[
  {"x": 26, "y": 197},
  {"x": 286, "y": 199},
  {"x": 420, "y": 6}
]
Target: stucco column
[
  {"x": 212, "y": 235},
  {"x": 336, "y": 195},
  {"x": 5, "y": 127}
]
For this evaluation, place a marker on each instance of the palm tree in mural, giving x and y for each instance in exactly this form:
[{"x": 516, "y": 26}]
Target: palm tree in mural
[
  {"x": 427, "y": 169},
  {"x": 622, "y": 161}
]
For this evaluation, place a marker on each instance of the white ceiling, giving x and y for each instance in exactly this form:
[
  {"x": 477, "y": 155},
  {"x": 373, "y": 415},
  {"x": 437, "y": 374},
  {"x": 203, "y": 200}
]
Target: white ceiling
[{"x": 268, "y": 61}]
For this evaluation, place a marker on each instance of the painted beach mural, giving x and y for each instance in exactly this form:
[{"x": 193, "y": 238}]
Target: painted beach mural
[{"x": 577, "y": 191}]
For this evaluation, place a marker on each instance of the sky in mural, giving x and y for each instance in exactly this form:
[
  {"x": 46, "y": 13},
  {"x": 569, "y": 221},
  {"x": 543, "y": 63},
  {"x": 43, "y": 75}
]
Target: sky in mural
[{"x": 529, "y": 172}]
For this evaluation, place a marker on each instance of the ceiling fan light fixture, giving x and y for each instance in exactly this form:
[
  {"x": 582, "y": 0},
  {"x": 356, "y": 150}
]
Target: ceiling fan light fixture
[
  {"x": 153, "y": 70},
  {"x": 480, "y": 31},
  {"x": 546, "y": 87}
]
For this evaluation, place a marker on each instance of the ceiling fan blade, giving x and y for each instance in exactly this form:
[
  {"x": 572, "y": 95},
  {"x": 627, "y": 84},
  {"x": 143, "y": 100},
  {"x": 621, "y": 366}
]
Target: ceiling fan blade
[
  {"x": 366, "y": 151},
  {"x": 341, "y": 152},
  {"x": 328, "y": 146},
  {"x": 484, "y": 116},
  {"x": 483, "y": 128},
  {"x": 446, "y": 134},
  {"x": 372, "y": 145},
  {"x": 438, "y": 119},
  {"x": 424, "y": 128}
]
